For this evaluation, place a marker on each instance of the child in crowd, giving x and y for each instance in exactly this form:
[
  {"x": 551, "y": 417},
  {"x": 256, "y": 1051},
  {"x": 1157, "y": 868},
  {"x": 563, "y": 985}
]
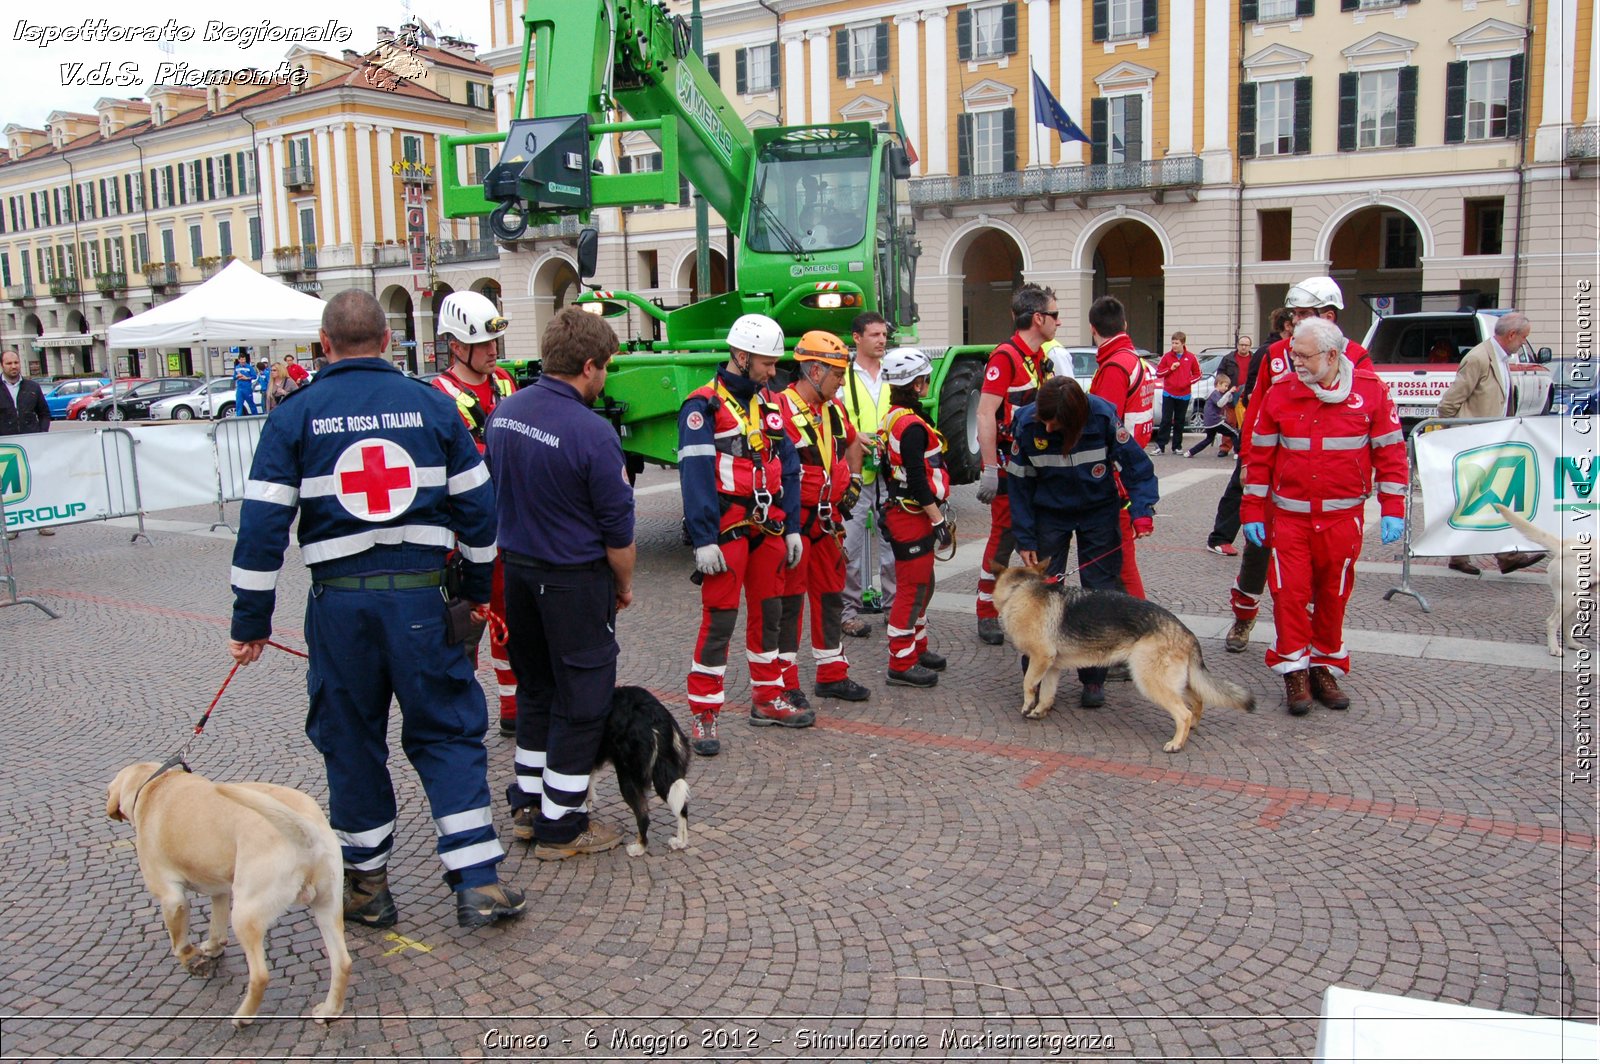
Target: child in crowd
[{"x": 1215, "y": 418}]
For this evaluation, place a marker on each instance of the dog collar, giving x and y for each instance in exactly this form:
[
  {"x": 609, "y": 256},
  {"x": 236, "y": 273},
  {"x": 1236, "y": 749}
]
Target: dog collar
[{"x": 175, "y": 761}]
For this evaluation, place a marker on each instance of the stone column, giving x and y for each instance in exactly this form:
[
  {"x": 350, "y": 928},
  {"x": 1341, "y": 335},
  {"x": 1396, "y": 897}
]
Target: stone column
[
  {"x": 819, "y": 42},
  {"x": 346, "y": 188},
  {"x": 1219, "y": 70},
  {"x": 794, "y": 79},
  {"x": 908, "y": 82},
  {"x": 938, "y": 93},
  {"x": 385, "y": 179},
  {"x": 269, "y": 188},
  {"x": 1560, "y": 27},
  {"x": 362, "y": 187},
  {"x": 327, "y": 210},
  {"x": 278, "y": 158},
  {"x": 1041, "y": 141},
  {"x": 1180, "y": 69}
]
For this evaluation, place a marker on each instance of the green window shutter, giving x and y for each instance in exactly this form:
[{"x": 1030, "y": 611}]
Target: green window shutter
[
  {"x": 883, "y": 48},
  {"x": 1249, "y": 10},
  {"x": 1349, "y": 5},
  {"x": 841, "y": 39},
  {"x": 625, "y": 165},
  {"x": 1100, "y": 20},
  {"x": 775, "y": 67},
  {"x": 1152, "y": 17},
  {"x": 1099, "y": 133},
  {"x": 211, "y": 178},
  {"x": 1247, "y": 120},
  {"x": 714, "y": 67},
  {"x": 1455, "y": 103},
  {"x": 1302, "y": 116},
  {"x": 1133, "y": 131},
  {"x": 1405, "y": 135},
  {"x": 1516, "y": 90},
  {"x": 963, "y": 35},
  {"x": 1349, "y": 85},
  {"x": 1008, "y": 29},
  {"x": 1305, "y": 8},
  {"x": 963, "y": 145},
  {"x": 741, "y": 66},
  {"x": 1008, "y": 145}
]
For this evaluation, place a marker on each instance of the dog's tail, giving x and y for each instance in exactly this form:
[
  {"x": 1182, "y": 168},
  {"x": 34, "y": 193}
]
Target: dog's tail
[
  {"x": 1529, "y": 529},
  {"x": 1215, "y": 691},
  {"x": 307, "y": 836}
]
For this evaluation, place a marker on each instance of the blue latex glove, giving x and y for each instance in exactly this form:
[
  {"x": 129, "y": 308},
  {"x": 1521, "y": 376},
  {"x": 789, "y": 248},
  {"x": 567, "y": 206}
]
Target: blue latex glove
[
  {"x": 1256, "y": 532},
  {"x": 1393, "y": 528}
]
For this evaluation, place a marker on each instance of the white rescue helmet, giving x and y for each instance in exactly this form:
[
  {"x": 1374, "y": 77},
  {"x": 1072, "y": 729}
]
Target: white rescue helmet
[
  {"x": 471, "y": 318},
  {"x": 758, "y": 335},
  {"x": 903, "y": 365},
  {"x": 1315, "y": 292}
]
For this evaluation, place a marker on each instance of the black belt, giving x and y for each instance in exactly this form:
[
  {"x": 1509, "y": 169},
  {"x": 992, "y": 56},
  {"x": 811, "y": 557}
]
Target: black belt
[
  {"x": 384, "y": 581},
  {"x": 528, "y": 561}
]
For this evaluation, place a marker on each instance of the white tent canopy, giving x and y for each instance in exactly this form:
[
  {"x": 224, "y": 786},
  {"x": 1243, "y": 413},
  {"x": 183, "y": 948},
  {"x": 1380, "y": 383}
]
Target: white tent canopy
[{"x": 237, "y": 306}]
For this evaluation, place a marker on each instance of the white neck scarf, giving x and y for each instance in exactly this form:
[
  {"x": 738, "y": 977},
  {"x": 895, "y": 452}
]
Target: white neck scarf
[{"x": 1341, "y": 383}]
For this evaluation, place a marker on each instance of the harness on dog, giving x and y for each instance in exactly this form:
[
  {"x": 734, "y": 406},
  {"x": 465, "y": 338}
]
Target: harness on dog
[{"x": 175, "y": 761}]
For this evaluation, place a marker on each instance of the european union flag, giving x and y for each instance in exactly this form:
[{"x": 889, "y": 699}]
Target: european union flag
[{"x": 1048, "y": 112}]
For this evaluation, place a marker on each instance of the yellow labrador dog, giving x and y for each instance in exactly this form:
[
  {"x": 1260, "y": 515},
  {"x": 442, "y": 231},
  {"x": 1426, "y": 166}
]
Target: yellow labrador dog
[{"x": 255, "y": 848}]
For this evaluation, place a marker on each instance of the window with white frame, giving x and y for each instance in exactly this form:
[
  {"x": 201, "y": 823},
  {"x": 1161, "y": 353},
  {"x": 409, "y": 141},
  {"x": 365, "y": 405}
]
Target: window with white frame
[
  {"x": 1378, "y": 109},
  {"x": 1488, "y": 99},
  {"x": 1402, "y": 243},
  {"x": 1124, "y": 116},
  {"x": 988, "y": 142},
  {"x": 1370, "y": 5},
  {"x": 247, "y": 172},
  {"x": 864, "y": 51},
  {"x": 1275, "y": 117},
  {"x": 1127, "y": 18},
  {"x": 225, "y": 239},
  {"x": 141, "y": 251},
  {"x": 988, "y": 32},
  {"x": 1270, "y": 10},
  {"x": 758, "y": 69},
  {"x": 478, "y": 95}
]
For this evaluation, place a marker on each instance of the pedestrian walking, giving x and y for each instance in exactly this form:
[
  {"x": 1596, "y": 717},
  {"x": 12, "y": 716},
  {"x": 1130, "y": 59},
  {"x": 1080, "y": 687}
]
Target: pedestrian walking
[
  {"x": 244, "y": 386},
  {"x": 1178, "y": 371},
  {"x": 385, "y": 480},
  {"x": 866, "y": 548},
  {"x": 1320, "y": 441},
  {"x": 1011, "y": 379},
  {"x": 1122, "y": 379},
  {"x": 1214, "y": 419},
  {"x": 23, "y": 409},
  {"x": 918, "y": 490},
  {"x": 740, "y": 479},
  {"x": 566, "y": 517},
  {"x": 279, "y": 385},
  {"x": 1070, "y": 455}
]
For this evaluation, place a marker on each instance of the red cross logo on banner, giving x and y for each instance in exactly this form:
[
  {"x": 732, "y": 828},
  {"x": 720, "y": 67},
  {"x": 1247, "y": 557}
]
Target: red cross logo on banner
[{"x": 377, "y": 479}]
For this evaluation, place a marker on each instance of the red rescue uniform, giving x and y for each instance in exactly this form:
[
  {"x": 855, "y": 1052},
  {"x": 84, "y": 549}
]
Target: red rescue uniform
[
  {"x": 1122, "y": 379},
  {"x": 1309, "y": 468},
  {"x": 821, "y": 435},
  {"x": 1014, "y": 373},
  {"x": 917, "y": 478}
]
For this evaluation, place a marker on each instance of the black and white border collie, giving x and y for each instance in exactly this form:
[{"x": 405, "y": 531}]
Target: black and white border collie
[{"x": 646, "y": 746}]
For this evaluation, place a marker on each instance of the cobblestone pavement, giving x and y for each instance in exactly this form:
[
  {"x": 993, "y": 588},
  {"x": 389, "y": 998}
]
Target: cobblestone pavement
[{"x": 926, "y": 867}]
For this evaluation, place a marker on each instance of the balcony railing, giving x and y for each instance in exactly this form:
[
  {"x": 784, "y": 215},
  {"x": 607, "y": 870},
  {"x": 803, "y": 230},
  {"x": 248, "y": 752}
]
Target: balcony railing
[
  {"x": 391, "y": 255},
  {"x": 1154, "y": 175},
  {"x": 1583, "y": 142},
  {"x": 296, "y": 260},
  {"x": 63, "y": 287},
  {"x": 20, "y": 293},
  {"x": 161, "y": 276},
  {"x": 111, "y": 281},
  {"x": 297, "y": 176},
  {"x": 475, "y": 250}
]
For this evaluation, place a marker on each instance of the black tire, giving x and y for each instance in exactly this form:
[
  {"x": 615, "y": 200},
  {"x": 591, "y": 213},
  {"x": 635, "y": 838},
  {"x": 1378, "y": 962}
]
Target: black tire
[
  {"x": 182, "y": 413},
  {"x": 225, "y": 410},
  {"x": 958, "y": 419}
]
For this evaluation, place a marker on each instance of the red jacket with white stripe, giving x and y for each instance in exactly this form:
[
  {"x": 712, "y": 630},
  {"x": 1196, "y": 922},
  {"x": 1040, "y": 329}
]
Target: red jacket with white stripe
[{"x": 1317, "y": 459}]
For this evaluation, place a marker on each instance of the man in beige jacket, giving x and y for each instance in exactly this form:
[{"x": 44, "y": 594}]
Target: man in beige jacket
[{"x": 1482, "y": 388}]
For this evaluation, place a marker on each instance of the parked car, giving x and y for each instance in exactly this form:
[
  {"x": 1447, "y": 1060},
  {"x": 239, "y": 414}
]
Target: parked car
[
  {"x": 76, "y": 408},
  {"x": 1209, "y": 360},
  {"x": 134, "y": 404},
  {"x": 1575, "y": 380},
  {"x": 1416, "y": 354},
  {"x": 59, "y": 396},
  {"x": 212, "y": 398}
]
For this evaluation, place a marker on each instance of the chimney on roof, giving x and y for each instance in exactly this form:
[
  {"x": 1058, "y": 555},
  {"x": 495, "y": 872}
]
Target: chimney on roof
[{"x": 385, "y": 34}]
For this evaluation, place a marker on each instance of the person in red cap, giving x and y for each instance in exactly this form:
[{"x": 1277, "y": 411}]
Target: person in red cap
[{"x": 830, "y": 466}]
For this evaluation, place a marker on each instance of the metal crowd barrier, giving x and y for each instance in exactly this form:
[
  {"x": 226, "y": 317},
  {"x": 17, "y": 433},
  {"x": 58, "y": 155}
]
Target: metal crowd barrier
[
  {"x": 1404, "y": 587},
  {"x": 233, "y": 447}
]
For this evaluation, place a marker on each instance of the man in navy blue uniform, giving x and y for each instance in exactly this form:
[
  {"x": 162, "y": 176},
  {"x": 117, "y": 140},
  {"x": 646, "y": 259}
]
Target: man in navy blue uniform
[
  {"x": 566, "y": 535},
  {"x": 1068, "y": 451},
  {"x": 386, "y": 480}
]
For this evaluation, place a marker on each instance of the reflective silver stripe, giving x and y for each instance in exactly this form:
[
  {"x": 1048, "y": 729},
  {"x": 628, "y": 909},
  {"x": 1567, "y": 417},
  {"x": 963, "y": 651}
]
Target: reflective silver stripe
[
  {"x": 344, "y": 546},
  {"x": 1052, "y": 461},
  {"x": 267, "y": 491},
  {"x": 1294, "y": 506},
  {"x": 1258, "y": 439},
  {"x": 467, "y": 479},
  {"x": 1388, "y": 438},
  {"x": 1131, "y": 419},
  {"x": 563, "y": 782},
  {"x": 465, "y": 821},
  {"x": 1015, "y": 470},
  {"x": 1293, "y": 443},
  {"x": 467, "y": 856},
  {"x": 696, "y": 450},
  {"x": 529, "y": 758},
  {"x": 431, "y": 476},
  {"x": 1389, "y": 487},
  {"x": 370, "y": 837},
  {"x": 1255, "y": 489},
  {"x": 733, "y": 431},
  {"x": 253, "y": 579},
  {"x": 481, "y": 555},
  {"x": 1342, "y": 504},
  {"x": 1075, "y": 459},
  {"x": 377, "y": 862},
  {"x": 1345, "y": 443}
]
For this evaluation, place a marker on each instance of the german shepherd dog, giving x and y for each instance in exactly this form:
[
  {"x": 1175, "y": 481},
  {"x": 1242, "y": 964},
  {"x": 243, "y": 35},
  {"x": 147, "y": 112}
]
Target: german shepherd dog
[
  {"x": 1061, "y": 627},
  {"x": 647, "y": 747}
]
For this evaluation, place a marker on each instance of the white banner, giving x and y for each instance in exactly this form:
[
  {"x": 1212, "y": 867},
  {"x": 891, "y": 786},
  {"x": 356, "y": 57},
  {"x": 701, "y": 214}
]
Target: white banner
[{"x": 1542, "y": 468}]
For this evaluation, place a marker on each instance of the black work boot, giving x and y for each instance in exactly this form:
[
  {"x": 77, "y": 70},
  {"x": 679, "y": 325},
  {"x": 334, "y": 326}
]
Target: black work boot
[
  {"x": 481, "y": 906},
  {"x": 367, "y": 899},
  {"x": 929, "y": 660},
  {"x": 916, "y": 676}
]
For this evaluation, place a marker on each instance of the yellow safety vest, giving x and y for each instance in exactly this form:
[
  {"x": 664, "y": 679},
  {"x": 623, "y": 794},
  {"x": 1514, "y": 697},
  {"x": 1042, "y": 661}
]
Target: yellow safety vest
[{"x": 866, "y": 416}]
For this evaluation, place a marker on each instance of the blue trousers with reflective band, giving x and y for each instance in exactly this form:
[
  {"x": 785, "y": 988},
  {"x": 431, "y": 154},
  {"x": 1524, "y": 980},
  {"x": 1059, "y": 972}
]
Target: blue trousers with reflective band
[
  {"x": 1099, "y": 543},
  {"x": 368, "y": 647}
]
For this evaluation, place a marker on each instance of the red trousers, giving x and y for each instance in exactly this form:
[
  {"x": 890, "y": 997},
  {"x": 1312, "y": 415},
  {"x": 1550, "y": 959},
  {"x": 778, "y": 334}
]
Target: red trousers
[
  {"x": 819, "y": 577},
  {"x": 756, "y": 566},
  {"x": 505, "y": 679},
  {"x": 1132, "y": 582},
  {"x": 913, "y": 581},
  {"x": 1000, "y": 547},
  {"x": 1311, "y": 574}
]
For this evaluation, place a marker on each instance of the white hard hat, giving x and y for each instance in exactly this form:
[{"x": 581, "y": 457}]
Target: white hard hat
[
  {"x": 902, "y": 365},
  {"x": 1315, "y": 292},
  {"x": 471, "y": 318},
  {"x": 757, "y": 334}
]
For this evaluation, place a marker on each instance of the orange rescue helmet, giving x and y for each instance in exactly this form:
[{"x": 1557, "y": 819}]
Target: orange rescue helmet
[{"x": 819, "y": 345}]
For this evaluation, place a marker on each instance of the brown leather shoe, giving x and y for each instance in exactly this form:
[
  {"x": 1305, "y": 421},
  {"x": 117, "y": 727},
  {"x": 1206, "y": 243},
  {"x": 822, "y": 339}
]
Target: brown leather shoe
[
  {"x": 1325, "y": 688},
  {"x": 1298, "y": 687},
  {"x": 1238, "y": 638},
  {"x": 1511, "y": 561},
  {"x": 1462, "y": 564}
]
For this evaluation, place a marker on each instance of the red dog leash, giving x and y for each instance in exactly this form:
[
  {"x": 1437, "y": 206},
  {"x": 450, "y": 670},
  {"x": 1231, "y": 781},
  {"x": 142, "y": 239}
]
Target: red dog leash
[{"x": 200, "y": 725}]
